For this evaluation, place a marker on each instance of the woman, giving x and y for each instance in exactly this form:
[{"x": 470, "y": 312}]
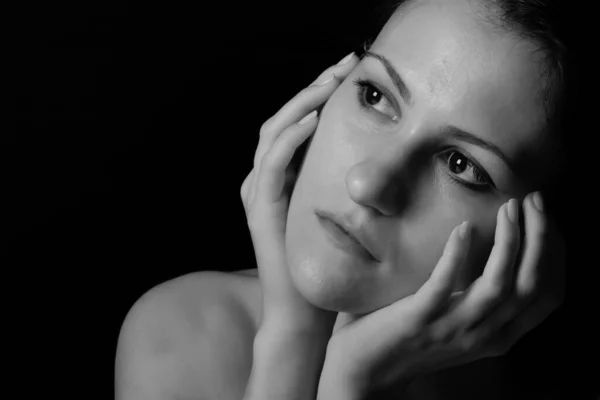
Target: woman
[{"x": 415, "y": 241}]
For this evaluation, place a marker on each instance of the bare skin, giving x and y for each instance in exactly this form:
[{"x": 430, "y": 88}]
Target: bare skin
[
  {"x": 180, "y": 337},
  {"x": 194, "y": 337},
  {"x": 204, "y": 325}
]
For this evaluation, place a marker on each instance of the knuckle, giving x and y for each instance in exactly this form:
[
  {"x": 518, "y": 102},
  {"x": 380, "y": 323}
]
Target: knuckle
[
  {"x": 469, "y": 343},
  {"x": 331, "y": 72},
  {"x": 419, "y": 336},
  {"x": 415, "y": 326},
  {"x": 309, "y": 89},
  {"x": 244, "y": 198},
  {"x": 497, "y": 290},
  {"x": 269, "y": 161},
  {"x": 322, "y": 76},
  {"x": 339, "y": 70},
  {"x": 246, "y": 181},
  {"x": 503, "y": 289},
  {"x": 530, "y": 286},
  {"x": 307, "y": 94},
  {"x": 441, "y": 335},
  {"x": 252, "y": 220},
  {"x": 265, "y": 128}
]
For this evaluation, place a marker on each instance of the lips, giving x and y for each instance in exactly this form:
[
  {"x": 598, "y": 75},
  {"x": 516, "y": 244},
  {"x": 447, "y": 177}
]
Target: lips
[{"x": 350, "y": 238}]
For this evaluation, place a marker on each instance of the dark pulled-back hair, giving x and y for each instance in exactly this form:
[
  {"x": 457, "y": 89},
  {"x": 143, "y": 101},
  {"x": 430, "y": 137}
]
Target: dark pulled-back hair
[{"x": 560, "y": 32}]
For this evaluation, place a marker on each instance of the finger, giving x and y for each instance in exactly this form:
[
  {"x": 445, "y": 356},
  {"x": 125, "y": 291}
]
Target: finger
[
  {"x": 527, "y": 287},
  {"x": 341, "y": 69},
  {"x": 252, "y": 188},
  {"x": 304, "y": 102},
  {"x": 272, "y": 175},
  {"x": 436, "y": 291},
  {"x": 501, "y": 338},
  {"x": 495, "y": 285},
  {"x": 307, "y": 100},
  {"x": 244, "y": 191},
  {"x": 290, "y": 179},
  {"x": 431, "y": 297},
  {"x": 500, "y": 267},
  {"x": 536, "y": 234}
]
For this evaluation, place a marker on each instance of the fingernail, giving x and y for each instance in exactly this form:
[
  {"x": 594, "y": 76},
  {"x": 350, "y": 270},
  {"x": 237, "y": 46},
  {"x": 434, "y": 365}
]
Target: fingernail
[
  {"x": 327, "y": 80},
  {"x": 512, "y": 211},
  {"x": 345, "y": 59},
  {"x": 308, "y": 117},
  {"x": 464, "y": 230},
  {"x": 538, "y": 202}
]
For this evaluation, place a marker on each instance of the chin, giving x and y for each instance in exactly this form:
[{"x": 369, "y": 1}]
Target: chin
[{"x": 333, "y": 284}]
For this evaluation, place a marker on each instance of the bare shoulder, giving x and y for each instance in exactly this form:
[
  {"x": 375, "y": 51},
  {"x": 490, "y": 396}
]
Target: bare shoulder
[{"x": 190, "y": 337}]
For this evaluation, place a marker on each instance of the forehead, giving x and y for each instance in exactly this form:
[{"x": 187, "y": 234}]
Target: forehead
[{"x": 480, "y": 77}]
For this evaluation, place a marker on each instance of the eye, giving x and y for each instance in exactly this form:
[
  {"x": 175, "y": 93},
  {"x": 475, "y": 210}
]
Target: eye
[
  {"x": 466, "y": 172},
  {"x": 373, "y": 99}
]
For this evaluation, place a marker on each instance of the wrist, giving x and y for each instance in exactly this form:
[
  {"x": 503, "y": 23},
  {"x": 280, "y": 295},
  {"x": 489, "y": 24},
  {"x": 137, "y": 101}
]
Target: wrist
[
  {"x": 334, "y": 386},
  {"x": 318, "y": 325},
  {"x": 287, "y": 363},
  {"x": 348, "y": 379},
  {"x": 296, "y": 338},
  {"x": 337, "y": 381}
]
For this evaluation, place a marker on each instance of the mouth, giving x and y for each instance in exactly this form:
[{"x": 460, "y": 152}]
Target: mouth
[{"x": 343, "y": 237}]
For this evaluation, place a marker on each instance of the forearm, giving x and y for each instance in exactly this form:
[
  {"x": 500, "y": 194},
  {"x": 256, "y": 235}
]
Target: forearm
[
  {"x": 337, "y": 383},
  {"x": 334, "y": 383},
  {"x": 332, "y": 388},
  {"x": 287, "y": 364}
]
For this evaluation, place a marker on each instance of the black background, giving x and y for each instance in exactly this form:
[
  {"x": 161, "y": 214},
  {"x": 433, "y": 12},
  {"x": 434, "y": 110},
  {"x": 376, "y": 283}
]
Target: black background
[{"x": 136, "y": 125}]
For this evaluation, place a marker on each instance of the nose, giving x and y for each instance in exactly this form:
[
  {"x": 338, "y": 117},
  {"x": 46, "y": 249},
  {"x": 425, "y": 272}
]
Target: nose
[{"x": 384, "y": 180}]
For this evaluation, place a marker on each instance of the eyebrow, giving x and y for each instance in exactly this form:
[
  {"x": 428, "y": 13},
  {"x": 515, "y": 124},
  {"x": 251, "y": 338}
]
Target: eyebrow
[
  {"x": 459, "y": 134},
  {"x": 451, "y": 131},
  {"x": 396, "y": 79}
]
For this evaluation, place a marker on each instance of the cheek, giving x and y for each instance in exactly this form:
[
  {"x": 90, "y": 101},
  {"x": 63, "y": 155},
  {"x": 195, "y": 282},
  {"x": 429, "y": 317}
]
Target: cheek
[
  {"x": 417, "y": 239},
  {"x": 421, "y": 240},
  {"x": 329, "y": 155},
  {"x": 423, "y": 237},
  {"x": 482, "y": 241},
  {"x": 481, "y": 245}
]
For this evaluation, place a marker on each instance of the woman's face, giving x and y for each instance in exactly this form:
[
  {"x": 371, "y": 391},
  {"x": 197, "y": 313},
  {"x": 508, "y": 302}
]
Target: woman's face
[{"x": 441, "y": 123}]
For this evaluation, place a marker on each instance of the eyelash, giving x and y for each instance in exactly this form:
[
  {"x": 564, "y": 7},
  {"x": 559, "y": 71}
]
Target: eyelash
[
  {"x": 480, "y": 175},
  {"x": 363, "y": 85}
]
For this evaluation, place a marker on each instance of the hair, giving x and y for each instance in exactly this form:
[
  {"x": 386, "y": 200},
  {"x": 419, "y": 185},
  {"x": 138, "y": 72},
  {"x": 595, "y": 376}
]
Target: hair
[
  {"x": 558, "y": 30},
  {"x": 543, "y": 23}
]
